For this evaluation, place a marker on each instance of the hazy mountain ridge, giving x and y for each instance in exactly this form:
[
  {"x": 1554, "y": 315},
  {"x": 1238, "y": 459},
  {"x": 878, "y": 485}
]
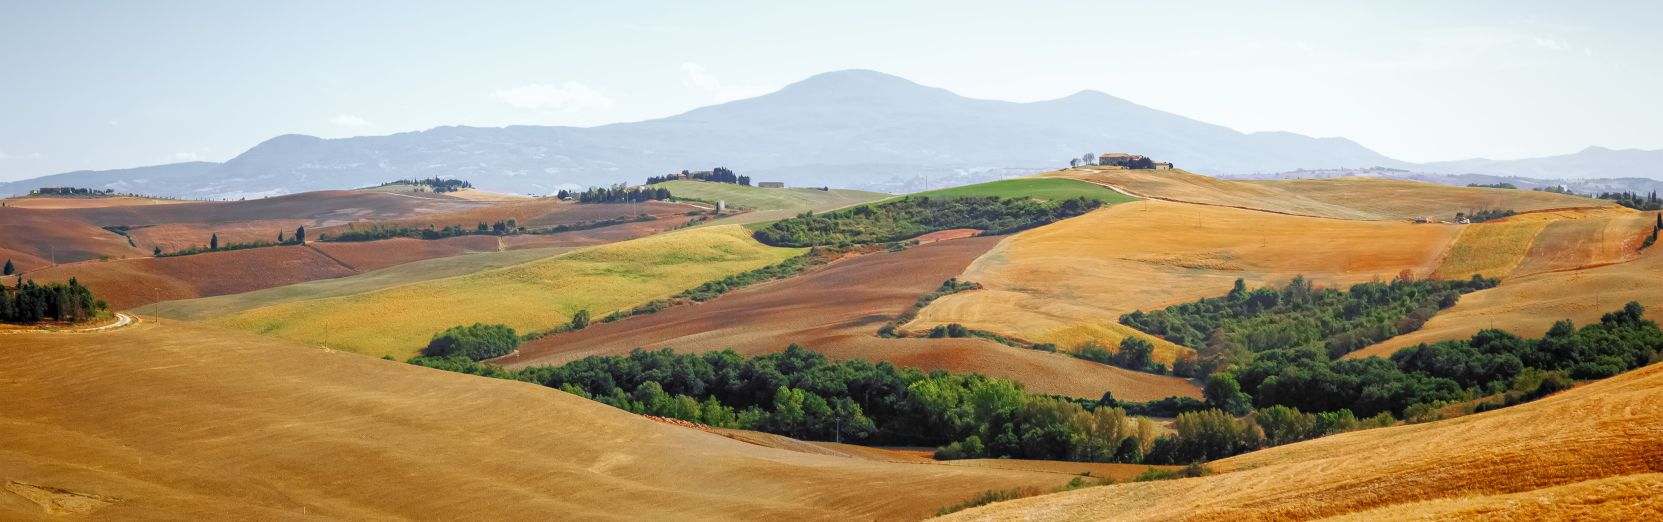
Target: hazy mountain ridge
[
  {"x": 857, "y": 129},
  {"x": 1580, "y": 186}
]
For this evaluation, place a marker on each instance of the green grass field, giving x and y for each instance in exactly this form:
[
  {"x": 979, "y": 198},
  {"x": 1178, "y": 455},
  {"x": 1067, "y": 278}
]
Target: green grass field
[
  {"x": 1041, "y": 188},
  {"x": 399, "y": 320},
  {"x": 769, "y": 204}
]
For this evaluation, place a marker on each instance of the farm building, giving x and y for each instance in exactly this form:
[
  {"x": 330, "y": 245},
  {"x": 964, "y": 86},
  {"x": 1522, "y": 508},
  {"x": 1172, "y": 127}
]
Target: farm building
[
  {"x": 1129, "y": 161},
  {"x": 771, "y": 184}
]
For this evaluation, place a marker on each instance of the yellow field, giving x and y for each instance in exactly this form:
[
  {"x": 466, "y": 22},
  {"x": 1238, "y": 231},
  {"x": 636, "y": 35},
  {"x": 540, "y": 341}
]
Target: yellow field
[
  {"x": 1493, "y": 249},
  {"x": 1529, "y": 305},
  {"x": 177, "y": 421},
  {"x": 1595, "y": 450},
  {"x": 1070, "y": 281},
  {"x": 399, "y": 321},
  {"x": 1344, "y": 198}
]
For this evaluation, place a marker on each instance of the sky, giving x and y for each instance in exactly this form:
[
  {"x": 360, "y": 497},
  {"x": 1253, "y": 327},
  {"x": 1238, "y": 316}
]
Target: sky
[{"x": 100, "y": 85}]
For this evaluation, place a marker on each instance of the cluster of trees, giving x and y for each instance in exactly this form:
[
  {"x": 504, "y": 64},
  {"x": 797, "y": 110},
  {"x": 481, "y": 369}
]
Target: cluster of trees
[
  {"x": 803, "y": 394},
  {"x": 1502, "y": 185},
  {"x": 917, "y": 215},
  {"x": 716, "y": 175},
  {"x": 71, "y": 191},
  {"x": 1480, "y": 216},
  {"x": 1301, "y": 315},
  {"x": 1634, "y": 200},
  {"x": 28, "y": 302},
  {"x": 1422, "y": 379},
  {"x": 436, "y": 184},
  {"x": 1134, "y": 354},
  {"x": 215, "y": 245},
  {"x": 619, "y": 193},
  {"x": 475, "y": 342}
]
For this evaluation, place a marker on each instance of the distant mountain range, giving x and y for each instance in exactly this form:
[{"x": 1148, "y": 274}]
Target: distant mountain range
[
  {"x": 1580, "y": 186},
  {"x": 856, "y": 128}
]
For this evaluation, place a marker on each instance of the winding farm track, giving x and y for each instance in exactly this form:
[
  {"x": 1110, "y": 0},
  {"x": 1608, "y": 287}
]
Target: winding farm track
[{"x": 121, "y": 321}]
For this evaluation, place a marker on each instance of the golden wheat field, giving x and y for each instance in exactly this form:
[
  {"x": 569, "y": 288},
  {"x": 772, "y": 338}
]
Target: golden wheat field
[
  {"x": 400, "y": 320},
  {"x": 169, "y": 420},
  {"x": 1070, "y": 281},
  {"x": 1594, "y": 450},
  {"x": 1343, "y": 198}
]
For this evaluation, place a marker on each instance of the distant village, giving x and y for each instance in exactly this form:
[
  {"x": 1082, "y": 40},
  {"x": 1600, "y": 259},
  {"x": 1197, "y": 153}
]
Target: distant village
[{"x": 1119, "y": 160}]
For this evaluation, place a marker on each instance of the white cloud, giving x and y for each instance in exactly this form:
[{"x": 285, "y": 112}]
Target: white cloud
[
  {"x": 350, "y": 120},
  {"x": 569, "y": 96},
  {"x": 1550, "y": 43},
  {"x": 695, "y": 76}
]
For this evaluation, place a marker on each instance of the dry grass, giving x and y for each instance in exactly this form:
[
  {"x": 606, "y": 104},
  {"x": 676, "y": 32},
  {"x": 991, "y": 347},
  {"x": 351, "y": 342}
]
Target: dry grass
[
  {"x": 168, "y": 420},
  {"x": 57, "y": 203},
  {"x": 1493, "y": 249},
  {"x": 1069, "y": 282},
  {"x": 1344, "y": 198},
  {"x": 1594, "y": 450},
  {"x": 1530, "y": 304},
  {"x": 400, "y": 320}
]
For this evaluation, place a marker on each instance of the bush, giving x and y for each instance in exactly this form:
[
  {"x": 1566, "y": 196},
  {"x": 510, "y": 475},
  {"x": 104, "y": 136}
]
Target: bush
[{"x": 475, "y": 342}]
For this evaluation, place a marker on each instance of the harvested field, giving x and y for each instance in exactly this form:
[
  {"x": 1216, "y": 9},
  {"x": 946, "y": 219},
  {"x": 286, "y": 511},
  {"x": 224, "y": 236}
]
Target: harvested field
[
  {"x": 372, "y": 255},
  {"x": 139, "y": 281},
  {"x": 63, "y": 202},
  {"x": 837, "y": 310},
  {"x": 1344, "y": 198},
  {"x": 165, "y": 420},
  {"x": 1595, "y": 449},
  {"x": 400, "y": 320},
  {"x": 34, "y": 239},
  {"x": 1493, "y": 249},
  {"x": 1529, "y": 305},
  {"x": 1069, "y": 282},
  {"x": 1576, "y": 240}
]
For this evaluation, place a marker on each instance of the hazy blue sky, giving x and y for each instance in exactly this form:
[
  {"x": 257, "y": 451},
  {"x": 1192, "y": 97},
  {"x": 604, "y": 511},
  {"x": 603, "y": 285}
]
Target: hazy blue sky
[{"x": 120, "y": 84}]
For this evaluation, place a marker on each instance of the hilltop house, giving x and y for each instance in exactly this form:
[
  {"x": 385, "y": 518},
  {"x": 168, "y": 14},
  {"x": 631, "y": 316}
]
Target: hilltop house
[
  {"x": 1130, "y": 161},
  {"x": 771, "y": 184}
]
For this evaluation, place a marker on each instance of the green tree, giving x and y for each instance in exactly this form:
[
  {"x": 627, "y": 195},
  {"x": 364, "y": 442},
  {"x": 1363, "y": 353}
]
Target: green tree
[
  {"x": 9, "y": 269},
  {"x": 213, "y": 242},
  {"x": 580, "y": 320},
  {"x": 300, "y": 234},
  {"x": 476, "y": 342},
  {"x": 1224, "y": 393},
  {"x": 156, "y": 251}
]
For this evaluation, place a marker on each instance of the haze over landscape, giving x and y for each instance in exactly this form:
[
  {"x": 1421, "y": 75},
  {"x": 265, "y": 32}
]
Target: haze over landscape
[{"x": 761, "y": 261}]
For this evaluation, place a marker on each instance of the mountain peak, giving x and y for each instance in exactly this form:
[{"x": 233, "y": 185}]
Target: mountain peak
[{"x": 857, "y": 82}]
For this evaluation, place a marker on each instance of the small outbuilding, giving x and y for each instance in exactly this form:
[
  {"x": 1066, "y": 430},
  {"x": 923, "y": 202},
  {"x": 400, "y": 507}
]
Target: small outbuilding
[{"x": 771, "y": 184}]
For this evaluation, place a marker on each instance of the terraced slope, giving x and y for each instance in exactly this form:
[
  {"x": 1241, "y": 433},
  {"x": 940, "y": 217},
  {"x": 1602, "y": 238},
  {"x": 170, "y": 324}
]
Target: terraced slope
[
  {"x": 1069, "y": 282},
  {"x": 837, "y": 310},
  {"x": 400, "y": 320},
  {"x": 168, "y": 420},
  {"x": 1596, "y": 450}
]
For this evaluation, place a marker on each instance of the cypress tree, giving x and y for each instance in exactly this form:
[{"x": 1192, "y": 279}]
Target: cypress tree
[
  {"x": 213, "y": 242},
  {"x": 9, "y": 269},
  {"x": 300, "y": 234}
]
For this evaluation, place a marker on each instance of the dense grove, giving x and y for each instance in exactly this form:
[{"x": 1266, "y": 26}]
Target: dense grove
[
  {"x": 436, "y": 184},
  {"x": 914, "y": 216},
  {"x": 28, "y": 302},
  {"x": 71, "y": 191},
  {"x": 802, "y": 394},
  {"x": 1480, "y": 216},
  {"x": 616, "y": 194},
  {"x": 476, "y": 342},
  {"x": 1300, "y": 315},
  {"x": 1634, "y": 200},
  {"x": 716, "y": 175}
]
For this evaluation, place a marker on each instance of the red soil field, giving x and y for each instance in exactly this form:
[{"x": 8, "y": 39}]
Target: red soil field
[{"x": 837, "y": 310}]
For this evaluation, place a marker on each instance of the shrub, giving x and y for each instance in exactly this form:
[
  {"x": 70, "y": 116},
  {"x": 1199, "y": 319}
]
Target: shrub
[{"x": 475, "y": 342}]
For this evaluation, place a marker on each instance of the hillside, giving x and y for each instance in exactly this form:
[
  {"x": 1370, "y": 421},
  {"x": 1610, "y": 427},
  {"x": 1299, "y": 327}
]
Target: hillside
[
  {"x": 1588, "y": 447},
  {"x": 166, "y": 420},
  {"x": 853, "y": 129},
  {"x": 768, "y": 204}
]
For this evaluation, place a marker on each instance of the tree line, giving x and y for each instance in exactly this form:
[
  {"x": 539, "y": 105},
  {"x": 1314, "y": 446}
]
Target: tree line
[
  {"x": 716, "y": 175},
  {"x": 215, "y": 245},
  {"x": 1634, "y": 200},
  {"x": 508, "y": 227},
  {"x": 913, "y": 216},
  {"x": 29, "y": 302},
  {"x": 436, "y": 183},
  {"x": 618, "y": 193}
]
